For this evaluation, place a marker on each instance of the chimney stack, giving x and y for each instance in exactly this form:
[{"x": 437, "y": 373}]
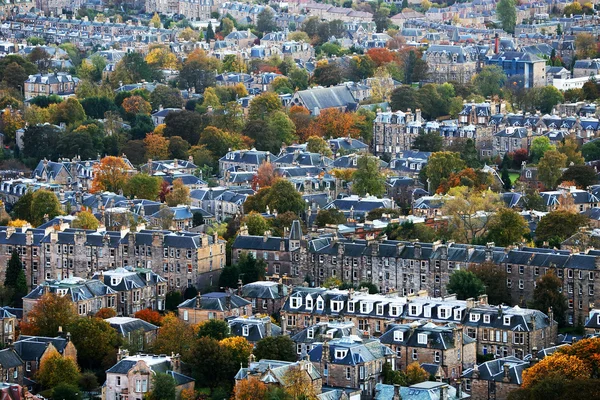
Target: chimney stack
[{"x": 496, "y": 44}]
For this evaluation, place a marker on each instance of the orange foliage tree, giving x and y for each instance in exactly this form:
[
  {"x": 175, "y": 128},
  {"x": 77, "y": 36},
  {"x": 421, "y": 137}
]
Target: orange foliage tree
[
  {"x": 332, "y": 123},
  {"x": 157, "y": 146},
  {"x": 558, "y": 365},
  {"x": 301, "y": 118},
  {"x": 136, "y": 105},
  {"x": 265, "y": 176},
  {"x": 467, "y": 177},
  {"x": 106, "y": 312},
  {"x": 249, "y": 389},
  {"x": 588, "y": 351},
  {"x": 380, "y": 56},
  {"x": 110, "y": 174},
  {"x": 49, "y": 313},
  {"x": 149, "y": 315}
]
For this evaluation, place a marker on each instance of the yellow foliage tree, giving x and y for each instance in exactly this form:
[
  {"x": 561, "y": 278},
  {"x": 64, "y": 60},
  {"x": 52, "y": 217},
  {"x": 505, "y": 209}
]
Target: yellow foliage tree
[
  {"x": 240, "y": 349},
  {"x": 298, "y": 385},
  {"x": 210, "y": 98},
  {"x": 56, "y": 369},
  {"x": 415, "y": 374},
  {"x": 136, "y": 105},
  {"x": 155, "y": 21},
  {"x": 11, "y": 123},
  {"x": 174, "y": 336},
  {"x": 18, "y": 223},
  {"x": 157, "y": 146},
  {"x": 110, "y": 174},
  {"x": 162, "y": 58},
  {"x": 249, "y": 389},
  {"x": 559, "y": 364}
]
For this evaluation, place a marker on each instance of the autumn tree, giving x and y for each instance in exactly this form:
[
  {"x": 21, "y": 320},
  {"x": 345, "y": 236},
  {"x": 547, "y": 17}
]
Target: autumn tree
[
  {"x": 143, "y": 186},
  {"x": 588, "y": 351},
  {"x": 558, "y": 364},
  {"x": 263, "y": 105},
  {"x": 367, "y": 177},
  {"x": 507, "y": 227},
  {"x": 96, "y": 342},
  {"x": 149, "y": 315},
  {"x": 265, "y": 176},
  {"x": 174, "y": 336},
  {"x": 55, "y": 369},
  {"x": 249, "y": 389},
  {"x": 110, "y": 174},
  {"x": 415, "y": 374},
  {"x": 85, "y": 220},
  {"x": 548, "y": 294},
  {"x": 550, "y": 168},
  {"x": 240, "y": 349},
  {"x": 298, "y": 384},
  {"x": 136, "y": 105},
  {"x": 162, "y": 58},
  {"x": 157, "y": 146},
  {"x": 105, "y": 313},
  {"x": 557, "y": 226},
  {"x": 179, "y": 194},
  {"x": 315, "y": 144},
  {"x": 441, "y": 165},
  {"x": 44, "y": 207},
  {"x": 332, "y": 123}
]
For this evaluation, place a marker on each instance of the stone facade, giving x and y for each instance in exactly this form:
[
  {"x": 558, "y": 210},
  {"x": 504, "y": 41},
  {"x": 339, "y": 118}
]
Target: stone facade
[
  {"x": 213, "y": 306},
  {"x": 8, "y": 324},
  {"x": 31, "y": 349},
  {"x": 394, "y": 132}
]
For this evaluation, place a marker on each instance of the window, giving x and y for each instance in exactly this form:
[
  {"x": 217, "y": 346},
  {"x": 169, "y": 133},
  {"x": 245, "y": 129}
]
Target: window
[
  {"x": 309, "y": 302},
  {"x": 443, "y": 313},
  {"x": 245, "y": 330},
  {"x": 336, "y": 306},
  {"x": 185, "y": 315},
  {"x": 398, "y": 336},
  {"x": 506, "y": 320},
  {"x": 518, "y": 338},
  {"x": 414, "y": 354},
  {"x": 351, "y": 307},
  {"x": 474, "y": 317},
  {"x": 486, "y": 319},
  {"x": 521, "y": 284},
  {"x": 508, "y": 268},
  {"x": 570, "y": 273},
  {"x": 310, "y": 334},
  {"x": 118, "y": 381},
  {"x": 348, "y": 373},
  {"x": 28, "y": 366},
  {"x": 436, "y": 357},
  {"x": 471, "y": 332},
  {"x": 379, "y": 309},
  {"x": 521, "y": 269},
  {"x": 340, "y": 354},
  {"x": 509, "y": 283},
  {"x": 296, "y": 302},
  {"x": 422, "y": 338},
  {"x": 320, "y": 304}
]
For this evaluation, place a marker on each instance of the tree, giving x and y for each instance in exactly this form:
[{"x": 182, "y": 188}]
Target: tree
[
  {"x": 178, "y": 148},
  {"x": 155, "y": 21},
  {"x": 490, "y": 80},
  {"x": 415, "y": 374},
  {"x": 197, "y": 219},
  {"x": 65, "y": 391},
  {"x": 550, "y": 168},
  {"x": 582, "y": 175},
  {"x": 283, "y": 197},
  {"x": 14, "y": 75},
  {"x": 550, "y": 97},
  {"x": 106, "y": 312},
  {"x": 149, "y": 315},
  {"x": 298, "y": 384},
  {"x": 185, "y": 124},
  {"x": 332, "y": 123},
  {"x": 250, "y": 269},
  {"x": 133, "y": 68},
  {"x": 44, "y": 206},
  {"x": 250, "y": 389},
  {"x": 256, "y": 224},
  {"x": 548, "y": 294},
  {"x": 179, "y": 194},
  {"x": 570, "y": 148},
  {"x": 315, "y": 144},
  {"x": 96, "y": 342},
  {"x": 15, "y": 278},
  {"x": 214, "y": 328},
  {"x": 430, "y": 141},
  {"x": 22, "y": 208},
  {"x": 165, "y": 96},
  {"x": 585, "y": 44},
  {"x": 220, "y": 142},
  {"x": 494, "y": 280},
  {"x": 298, "y": 78},
  {"x": 367, "y": 179},
  {"x": 507, "y": 227},
  {"x": 441, "y": 165},
  {"x": 85, "y": 220},
  {"x": 198, "y": 71},
  {"x": 55, "y": 369},
  {"x": 157, "y": 146},
  {"x": 212, "y": 364},
  {"x": 163, "y": 387},
  {"x": 110, "y": 174},
  {"x": 507, "y": 13},
  {"x": 210, "y": 33},
  {"x": 327, "y": 74},
  {"x": 174, "y": 336},
  {"x": 330, "y": 216},
  {"x": 591, "y": 150},
  {"x": 556, "y": 226},
  {"x": 464, "y": 209},
  {"x": 265, "y": 21},
  {"x": 283, "y": 130},
  {"x": 410, "y": 231},
  {"x": 465, "y": 284},
  {"x": 136, "y": 105},
  {"x": 275, "y": 348},
  {"x": 264, "y": 105},
  {"x": 506, "y": 181},
  {"x": 40, "y": 142},
  {"x": 143, "y": 186},
  {"x": 172, "y": 300},
  {"x": 539, "y": 146},
  {"x": 559, "y": 365}
]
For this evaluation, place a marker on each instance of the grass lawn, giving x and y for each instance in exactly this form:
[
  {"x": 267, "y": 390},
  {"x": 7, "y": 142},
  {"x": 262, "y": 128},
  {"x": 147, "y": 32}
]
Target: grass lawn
[{"x": 513, "y": 177}]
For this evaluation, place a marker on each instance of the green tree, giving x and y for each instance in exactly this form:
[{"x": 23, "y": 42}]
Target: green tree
[
  {"x": 428, "y": 141},
  {"x": 548, "y": 294},
  {"x": 410, "y": 231},
  {"x": 163, "y": 387},
  {"x": 263, "y": 105},
  {"x": 256, "y": 224},
  {"x": 582, "y": 175},
  {"x": 469, "y": 154},
  {"x": 179, "y": 194},
  {"x": 275, "y": 348},
  {"x": 55, "y": 369},
  {"x": 315, "y": 144},
  {"x": 265, "y": 21},
  {"x": 14, "y": 75},
  {"x": 490, "y": 80},
  {"x": 40, "y": 142},
  {"x": 96, "y": 342},
  {"x": 283, "y": 130},
  {"x": 550, "y": 168},
  {"x": 507, "y": 227},
  {"x": 591, "y": 150},
  {"x": 539, "y": 146},
  {"x": 328, "y": 74},
  {"x": 65, "y": 391},
  {"x": 44, "y": 206},
  {"x": 22, "y": 208},
  {"x": 550, "y": 97},
  {"x": 557, "y": 226},
  {"x": 197, "y": 219},
  {"x": 463, "y": 209},
  {"x": 133, "y": 68},
  {"x": 15, "y": 278},
  {"x": 155, "y": 21},
  {"x": 494, "y": 280},
  {"x": 440, "y": 166},
  {"x": 465, "y": 284},
  {"x": 367, "y": 178},
  {"x": 298, "y": 78},
  {"x": 214, "y": 328},
  {"x": 506, "y": 181},
  {"x": 178, "y": 148},
  {"x": 143, "y": 186},
  {"x": 85, "y": 220},
  {"x": 330, "y": 216},
  {"x": 283, "y": 197},
  {"x": 210, "y": 33},
  {"x": 507, "y": 13},
  {"x": 250, "y": 269},
  {"x": 212, "y": 365},
  {"x": 165, "y": 96}
]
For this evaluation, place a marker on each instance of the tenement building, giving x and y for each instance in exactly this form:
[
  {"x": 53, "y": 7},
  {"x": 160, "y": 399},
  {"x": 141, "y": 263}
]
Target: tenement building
[{"x": 58, "y": 252}]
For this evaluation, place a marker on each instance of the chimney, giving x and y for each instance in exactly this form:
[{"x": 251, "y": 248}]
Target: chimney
[
  {"x": 176, "y": 363},
  {"x": 228, "y": 301},
  {"x": 496, "y": 44},
  {"x": 240, "y": 286},
  {"x": 483, "y": 299},
  {"x": 199, "y": 301},
  {"x": 506, "y": 369},
  {"x": 325, "y": 357},
  {"x": 444, "y": 392},
  {"x": 396, "y": 392}
]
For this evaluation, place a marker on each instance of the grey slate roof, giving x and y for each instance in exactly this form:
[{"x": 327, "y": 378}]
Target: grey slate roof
[{"x": 215, "y": 301}]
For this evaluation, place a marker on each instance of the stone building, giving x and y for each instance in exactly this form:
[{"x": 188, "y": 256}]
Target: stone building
[
  {"x": 136, "y": 288},
  {"x": 266, "y": 297},
  {"x": 31, "y": 349},
  {"x": 494, "y": 379},
  {"x": 131, "y": 376},
  {"x": 61, "y": 84},
  {"x": 443, "y": 346},
  {"x": 215, "y": 305},
  {"x": 135, "y": 331},
  {"x": 451, "y": 63},
  {"x": 11, "y": 366},
  {"x": 351, "y": 362},
  {"x": 253, "y": 329},
  {"x": 308, "y": 338},
  {"x": 181, "y": 258},
  {"x": 8, "y": 324},
  {"x": 274, "y": 371},
  {"x": 394, "y": 132},
  {"x": 87, "y": 296}
]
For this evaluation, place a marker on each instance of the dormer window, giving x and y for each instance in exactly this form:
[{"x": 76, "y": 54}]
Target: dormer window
[
  {"x": 507, "y": 320},
  {"x": 310, "y": 334},
  {"x": 379, "y": 309},
  {"x": 295, "y": 302},
  {"x": 457, "y": 314},
  {"x": 114, "y": 281},
  {"x": 62, "y": 292},
  {"x": 336, "y": 306},
  {"x": 350, "y": 306},
  {"x": 340, "y": 354},
  {"x": 394, "y": 311},
  {"x": 320, "y": 304},
  {"x": 422, "y": 338},
  {"x": 398, "y": 336},
  {"x": 364, "y": 307},
  {"x": 474, "y": 317},
  {"x": 443, "y": 313},
  {"x": 486, "y": 319},
  {"x": 245, "y": 330},
  {"x": 309, "y": 302}
]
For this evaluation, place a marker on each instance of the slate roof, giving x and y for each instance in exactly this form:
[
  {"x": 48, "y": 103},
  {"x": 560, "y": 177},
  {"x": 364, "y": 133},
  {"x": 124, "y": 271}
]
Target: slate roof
[
  {"x": 264, "y": 290},
  {"x": 356, "y": 350},
  {"x": 128, "y": 278},
  {"x": 10, "y": 359},
  {"x": 253, "y": 329},
  {"x": 127, "y": 325},
  {"x": 215, "y": 301},
  {"x": 494, "y": 370},
  {"x": 31, "y": 348},
  {"x": 76, "y": 288},
  {"x": 507, "y": 318},
  {"x": 322, "y": 98}
]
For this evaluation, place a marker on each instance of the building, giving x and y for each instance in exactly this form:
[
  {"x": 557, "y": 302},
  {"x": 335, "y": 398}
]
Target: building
[
  {"x": 244, "y": 160},
  {"x": 214, "y": 305},
  {"x": 59, "y": 83},
  {"x": 351, "y": 362},
  {"x": 450, "y": 63},
  {"x": 136, "y": 288},
  {"x": 307, "y": 338},
  {"x": 444, "y": 347},
  {"x": 494, "y": 379},
  {"x": 592, "y": 323},
  {"x": 394, "y": 132},
  {"x": 253, "y": 328},
  {"x": 8, "y": 325},
  {"x": 281, "y": 254},
  {"x": 88, "y": 296},
  {"x": 511, "y": 139},
  {"x": 266, "y": 297},
  {"x": 424, "y": 390},
  {"x": 135, "y": 331},
  {"x": 31, "y": 349},
  {"x": 132, "y": 376},
  {"x": 273, "y": 372},
  {"x": 530, "y": 67},
  {"x": 11, "y": 366},
  {"x": 315, "y": 100}
]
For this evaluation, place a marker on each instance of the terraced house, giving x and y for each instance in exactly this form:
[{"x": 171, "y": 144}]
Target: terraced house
[{"x": 181, "y": 258}]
